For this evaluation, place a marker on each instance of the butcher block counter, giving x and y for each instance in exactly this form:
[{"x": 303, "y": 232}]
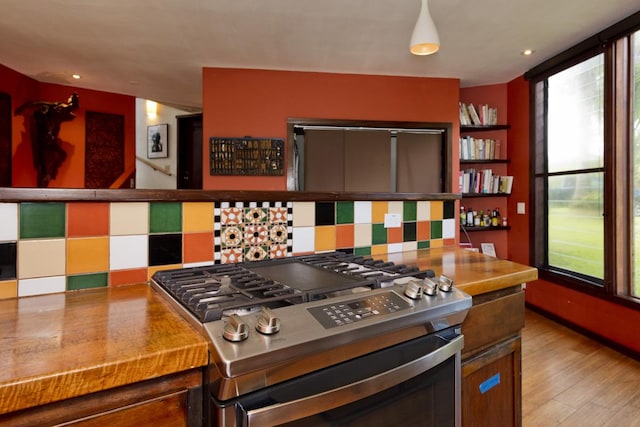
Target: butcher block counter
[
  {"x": 71, "y": 353},
  {"x": 60, "y": 346}
]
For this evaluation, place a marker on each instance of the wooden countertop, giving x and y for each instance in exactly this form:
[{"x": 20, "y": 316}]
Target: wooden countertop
[
  {"x": 63, "y": 345},
  {"x": 472, "y": 272}
]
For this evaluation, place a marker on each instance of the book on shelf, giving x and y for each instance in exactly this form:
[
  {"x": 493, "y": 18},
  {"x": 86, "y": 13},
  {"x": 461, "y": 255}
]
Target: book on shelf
[
  {"x": 479, "y": 148},
  {"x": 484, "y": 181},
  {"x": 482, "y": 115}
]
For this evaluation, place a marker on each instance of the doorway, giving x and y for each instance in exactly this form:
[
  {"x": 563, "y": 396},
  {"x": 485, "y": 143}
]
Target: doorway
[{"x": 189, "y": 152}]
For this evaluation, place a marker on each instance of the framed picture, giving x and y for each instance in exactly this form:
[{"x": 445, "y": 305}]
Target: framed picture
[
  {"x": 157, "y": 141},
  {"x": 488, "y": 249}
]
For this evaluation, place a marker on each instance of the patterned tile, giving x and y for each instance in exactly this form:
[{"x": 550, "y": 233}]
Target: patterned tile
[
  {"x": 9, "y": 221},
  {"x": 50, "y": 256},
  {"x": 87, "y": 219},
  {"x": 42, "y": 220},
  {"x": 256, "y": 253},
  {"x": 165, "y": 217},
  {"x": 87, "y": 281}
]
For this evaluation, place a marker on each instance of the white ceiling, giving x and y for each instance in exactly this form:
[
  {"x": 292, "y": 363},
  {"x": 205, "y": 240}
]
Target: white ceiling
[{"x": 156, "y": 49}]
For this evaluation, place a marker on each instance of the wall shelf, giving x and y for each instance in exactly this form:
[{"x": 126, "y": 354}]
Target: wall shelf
[
  {"x": 490, "y": 228},
  {"x": 482, "y": 128}
]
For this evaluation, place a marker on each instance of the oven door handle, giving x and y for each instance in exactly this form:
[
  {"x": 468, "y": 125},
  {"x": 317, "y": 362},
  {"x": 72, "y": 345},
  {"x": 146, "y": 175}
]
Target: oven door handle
[{"x": 322, "y": 402}]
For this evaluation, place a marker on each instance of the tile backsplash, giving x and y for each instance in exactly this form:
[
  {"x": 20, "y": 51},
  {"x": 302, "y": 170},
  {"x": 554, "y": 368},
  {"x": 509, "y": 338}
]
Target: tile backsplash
[{"x": 48, "y": 247}]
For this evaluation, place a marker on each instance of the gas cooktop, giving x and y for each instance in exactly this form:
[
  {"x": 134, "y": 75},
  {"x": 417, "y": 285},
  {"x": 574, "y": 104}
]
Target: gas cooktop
[{"x": 213, "y": 292}]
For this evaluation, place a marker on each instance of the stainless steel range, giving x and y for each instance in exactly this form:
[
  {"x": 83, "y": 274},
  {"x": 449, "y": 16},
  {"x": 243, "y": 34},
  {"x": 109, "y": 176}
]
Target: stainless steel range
[{"x": 326, "y": 339}]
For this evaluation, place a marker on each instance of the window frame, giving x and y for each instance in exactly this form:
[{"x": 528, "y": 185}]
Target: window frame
[{"x": 615, "y": 44}]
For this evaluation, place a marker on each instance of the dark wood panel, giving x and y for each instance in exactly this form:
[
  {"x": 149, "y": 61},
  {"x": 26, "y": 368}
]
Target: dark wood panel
[
  {"x": 104, "y": 149},
  {"x": 5, "y": 140}
]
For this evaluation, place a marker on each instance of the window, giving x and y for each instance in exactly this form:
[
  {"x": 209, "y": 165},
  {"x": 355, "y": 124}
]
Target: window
[{"x": 586, "y": 163}]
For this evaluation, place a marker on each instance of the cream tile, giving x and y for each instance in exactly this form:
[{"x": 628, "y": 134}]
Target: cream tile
[
  {"x": 197, "y": 264},
  {"x": 394, "y": 248},
  {"x": 43, "y": 285},
  {"x": 362, "y": 235},
  {"x": 41, "y": 258},
  {"x": 129, "y": 219},
  {"x": 396, "y": 207},
  {"x": 409, "y": 246},
  {"x": 424, "y": 211},
  {"x": 303, "y": 239},
  {"x": 128, "y": 252},
  {"x": 304, "y": 214},
  {"x": 9, "y": 221},
  {"x": 448, "y": 228},
  {"x": 362, "y": 213}
]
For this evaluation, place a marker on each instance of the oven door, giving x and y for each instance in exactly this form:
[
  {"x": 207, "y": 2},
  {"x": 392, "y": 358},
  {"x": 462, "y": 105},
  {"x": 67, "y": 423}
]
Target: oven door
[{"x": 413, "y": 383}]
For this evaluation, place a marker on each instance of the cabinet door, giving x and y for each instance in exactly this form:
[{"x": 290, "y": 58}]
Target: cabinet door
[{"x": 491, "y": 387}]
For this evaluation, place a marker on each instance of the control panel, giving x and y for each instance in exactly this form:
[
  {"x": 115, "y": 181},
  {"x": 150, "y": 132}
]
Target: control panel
[{"x": 346, "y": 312}]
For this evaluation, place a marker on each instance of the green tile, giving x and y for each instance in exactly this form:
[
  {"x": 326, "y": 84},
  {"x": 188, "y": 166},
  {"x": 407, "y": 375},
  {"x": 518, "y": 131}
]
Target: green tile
[
  {"x": 378, "y": 234},
  {"x": 345, "y": 213},
  {"x": 425, "y": 244},
  {"x": 165, "y": 217},
  {"x": 86, "y": 281},
  {"x": 410, "y": 211},
  {"x": 436, "y": 229},
  {"x": 365, "y": 250},
  {"x": 39, "y": 220}
]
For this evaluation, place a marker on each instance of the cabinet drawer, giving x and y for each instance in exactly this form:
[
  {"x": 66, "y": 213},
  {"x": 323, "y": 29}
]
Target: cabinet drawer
[{"x": 492, "y": 318}]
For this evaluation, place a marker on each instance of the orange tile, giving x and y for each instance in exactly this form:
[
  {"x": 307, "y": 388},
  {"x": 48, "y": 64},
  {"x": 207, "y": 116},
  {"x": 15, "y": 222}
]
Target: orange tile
[
  {"x": 423, "y": 230},
  {"x": 437, "y": 210},
  {"x": 344, "y": 236},
  {"x": 379, "y": 249},
  {"x": 197, "y": 217},
  {"x": 436, "y": 243},
  {"x": 198, "y": 247},
  {"x": 87, "y": 219},
  {"x": 152, "y": 270},
  {"x": 127, "y": 277},
  {"x": 87, "y": 255},
  {"x": 378, "y": 209},
  {"x": 448, "y": 242},
  {"x": 8, "y": 289},
  {"x": 394, "y": 235},
  {"x": 325, "y": 238}
]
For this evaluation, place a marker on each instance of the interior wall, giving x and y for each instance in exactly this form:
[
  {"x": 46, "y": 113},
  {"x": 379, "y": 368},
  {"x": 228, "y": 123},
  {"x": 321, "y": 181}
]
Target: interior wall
[
  {"x": 71, "y": 174},
  {"x": 257, "y": 103},
  {"x": 146, "y": 176}
]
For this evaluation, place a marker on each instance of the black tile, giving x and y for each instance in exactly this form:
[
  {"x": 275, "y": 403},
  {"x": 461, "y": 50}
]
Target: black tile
[
  {"x": 409, "y": 232},
  {"x": 325, "y": 213},
  {"x": 449, "y": 209},
  {"x": 7, "y": 261},
  {"x": 165, "y": 249}
]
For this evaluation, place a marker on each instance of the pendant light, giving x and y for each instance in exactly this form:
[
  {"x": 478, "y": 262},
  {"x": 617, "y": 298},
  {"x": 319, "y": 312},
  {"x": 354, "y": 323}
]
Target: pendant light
[{"x": 425, "y": 40}]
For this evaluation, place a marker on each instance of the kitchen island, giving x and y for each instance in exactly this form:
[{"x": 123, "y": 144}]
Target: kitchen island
[{"x": 119, "y": 354}]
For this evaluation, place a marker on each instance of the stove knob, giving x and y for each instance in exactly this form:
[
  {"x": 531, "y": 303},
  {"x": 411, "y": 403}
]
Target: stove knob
[
  {"x": 235, "y": 330},
  {"x": 445, "y": 283},
  {"x": 429, "y": 286},
  {"x": 413, "y": 289},
  {"x": 268, "y": 323}
]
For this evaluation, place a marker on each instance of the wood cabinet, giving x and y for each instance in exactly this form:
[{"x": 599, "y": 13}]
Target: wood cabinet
[
  {"x": 491, "y": 360},
  {"x": 173, "y": 400}
]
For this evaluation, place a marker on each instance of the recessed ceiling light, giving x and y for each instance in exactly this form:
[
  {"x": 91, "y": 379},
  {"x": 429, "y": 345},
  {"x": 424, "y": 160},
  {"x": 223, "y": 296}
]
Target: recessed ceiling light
[
  {"x": 76, "y": 76},
  {"x": 527, "y": 52}
]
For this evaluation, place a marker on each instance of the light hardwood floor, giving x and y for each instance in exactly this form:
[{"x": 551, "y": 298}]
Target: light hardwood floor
[{"x": 570, "y": 380}]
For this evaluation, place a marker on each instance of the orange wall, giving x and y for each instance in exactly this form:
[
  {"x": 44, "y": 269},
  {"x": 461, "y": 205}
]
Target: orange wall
[
  {"x": 239, "y": 102},
  {"x": 71, "y": 174}
]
